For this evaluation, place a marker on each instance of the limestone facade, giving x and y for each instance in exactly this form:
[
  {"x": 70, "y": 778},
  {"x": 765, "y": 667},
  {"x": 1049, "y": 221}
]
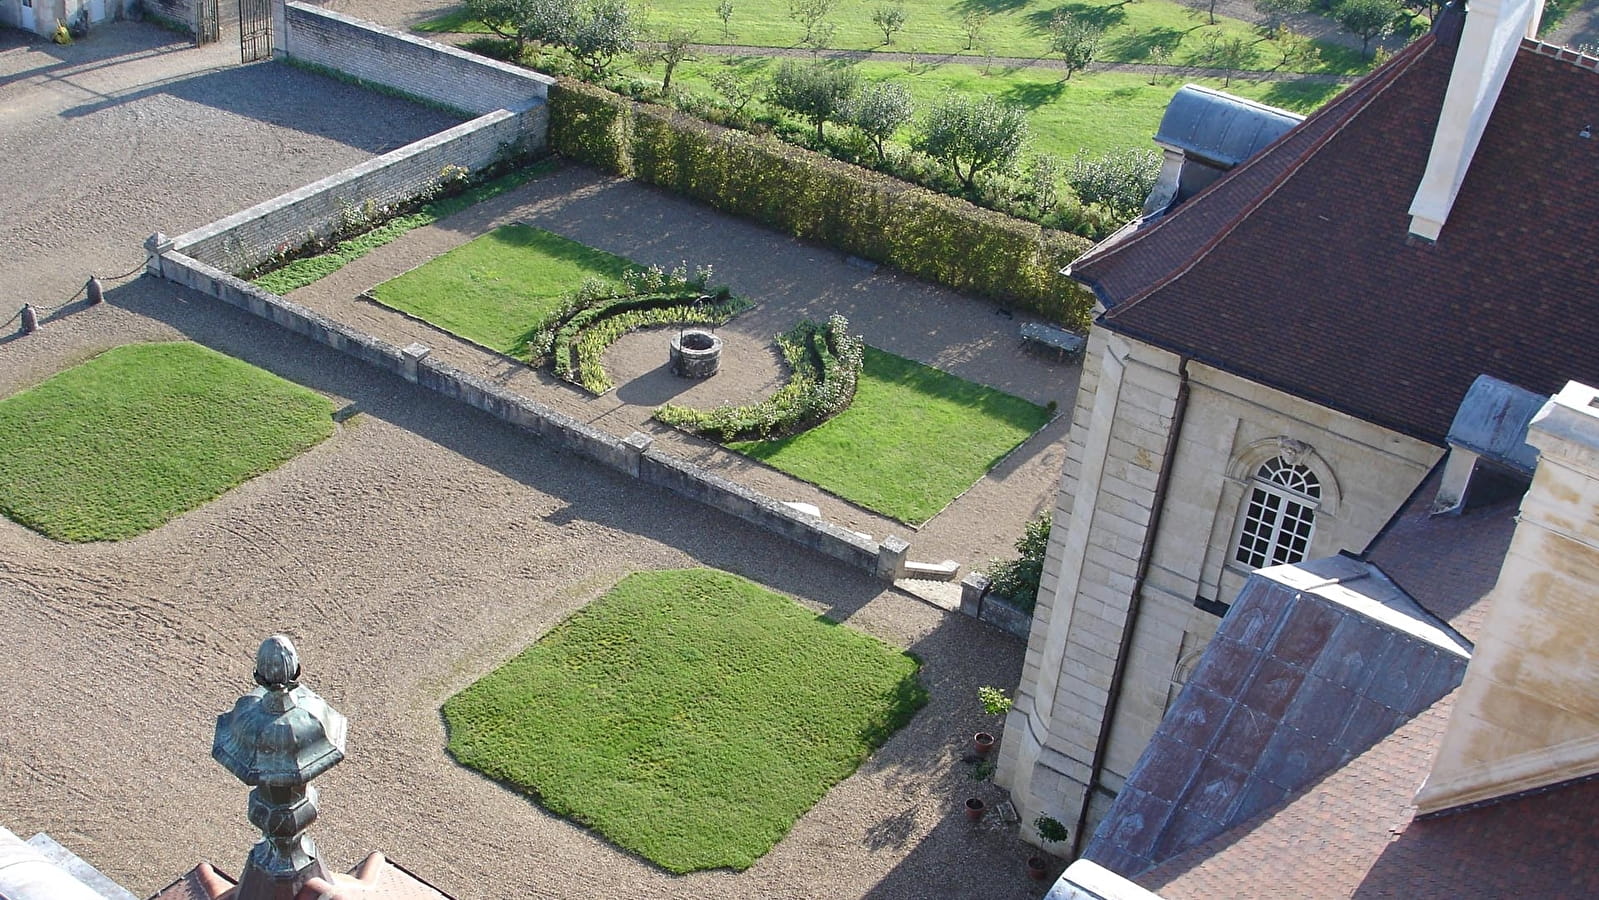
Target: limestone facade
[{"x": 1122, "y": 457}]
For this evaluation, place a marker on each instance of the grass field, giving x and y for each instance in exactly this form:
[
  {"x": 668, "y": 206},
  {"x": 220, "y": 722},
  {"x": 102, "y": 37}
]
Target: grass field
[
  {"x": 1100, "y": 112},
  {"x": 139, "y": 434},
  {"x": 1014, "y": 28},
  {"x": 913, "y": 440},
  {"x": 307, "y": 270},
  {"x": 689, "y": 716},
  {"x": 496, "y": 289}
]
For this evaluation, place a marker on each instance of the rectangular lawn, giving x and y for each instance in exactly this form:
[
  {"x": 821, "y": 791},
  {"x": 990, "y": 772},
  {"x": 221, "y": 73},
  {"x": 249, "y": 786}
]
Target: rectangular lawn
[
  {"x": 689, "y": 716},
  {"x": 495, "y": 290},
  {"x": 914, "y": 439},
  {"x": 141, "y": 433}
]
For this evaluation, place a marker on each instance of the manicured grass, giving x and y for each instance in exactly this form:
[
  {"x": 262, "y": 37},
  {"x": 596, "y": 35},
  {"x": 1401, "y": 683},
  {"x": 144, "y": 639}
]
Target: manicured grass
[
  {"x": 689, "y": 716},
  {"x": 1098, "y": 111},
  {"x": 139, "y": 434},
  {"x": 308, "y": 270},
  {"x": 1015, "y": 28},
  {"x": 913, "y": 439},
  {"x": 496, "y": 289}
]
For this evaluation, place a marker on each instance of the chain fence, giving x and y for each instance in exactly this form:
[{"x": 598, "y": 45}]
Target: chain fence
[{"x": 93, "y": 280}]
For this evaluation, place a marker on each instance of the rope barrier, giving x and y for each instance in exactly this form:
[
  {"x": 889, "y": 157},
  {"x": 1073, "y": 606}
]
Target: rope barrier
[{"x": 92, "y": 287}]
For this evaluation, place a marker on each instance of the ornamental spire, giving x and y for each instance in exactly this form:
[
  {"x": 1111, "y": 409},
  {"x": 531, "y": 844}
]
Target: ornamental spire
[{"x": 277, "y": 738}]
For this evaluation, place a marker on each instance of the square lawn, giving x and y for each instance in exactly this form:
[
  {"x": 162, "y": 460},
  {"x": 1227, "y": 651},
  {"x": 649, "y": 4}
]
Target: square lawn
[
  {"x": 120, "y": 444},
  {"x": 497, "y": 289},
  {"x": 913, "y": 439},
  {"x": 689, "y": 716}
]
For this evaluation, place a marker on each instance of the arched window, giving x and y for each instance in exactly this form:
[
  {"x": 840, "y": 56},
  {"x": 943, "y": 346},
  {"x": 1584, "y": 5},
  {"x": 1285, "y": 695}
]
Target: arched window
[{"x": 1279, "y": 514}]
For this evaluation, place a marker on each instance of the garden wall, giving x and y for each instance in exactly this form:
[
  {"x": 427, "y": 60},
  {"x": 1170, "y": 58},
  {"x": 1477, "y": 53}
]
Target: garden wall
[
  {"x": 633, "y": 455},
  {"x": 418, "y": 68},
  {"x": 512, "y": 121}
]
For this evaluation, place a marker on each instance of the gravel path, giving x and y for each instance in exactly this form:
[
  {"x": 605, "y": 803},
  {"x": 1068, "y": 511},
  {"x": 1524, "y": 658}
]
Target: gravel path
[{"x": 416, "y": 549}]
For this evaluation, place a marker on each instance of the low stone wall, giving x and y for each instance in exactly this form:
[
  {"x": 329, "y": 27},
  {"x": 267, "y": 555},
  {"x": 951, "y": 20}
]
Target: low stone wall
[
  {"x": 413, "y": 66},
  {"x": 632, "y": 455},
  {"x": 978, "y": 603}
]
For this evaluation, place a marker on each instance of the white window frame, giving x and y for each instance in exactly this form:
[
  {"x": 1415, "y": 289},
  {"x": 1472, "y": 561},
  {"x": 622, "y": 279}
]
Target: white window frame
[{"x": 1295, "y": 503}]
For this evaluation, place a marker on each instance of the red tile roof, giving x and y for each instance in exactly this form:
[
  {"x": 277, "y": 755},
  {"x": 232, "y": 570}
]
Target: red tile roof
[
  {"x": 374, "y": 879},
  {"x": 1295, "y": 270}
]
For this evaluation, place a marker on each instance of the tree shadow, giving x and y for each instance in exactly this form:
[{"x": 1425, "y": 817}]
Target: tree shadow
[
  {"x": 1103, "y": 17},
  {"x": 1299, "y": 96},
  {"x": 1138, "y": 45},
  {"x": 1032, "y": 95}
]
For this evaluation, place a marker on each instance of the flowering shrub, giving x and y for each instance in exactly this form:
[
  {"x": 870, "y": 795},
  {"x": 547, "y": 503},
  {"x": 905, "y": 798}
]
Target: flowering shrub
[{"x": 824, "y": 363}]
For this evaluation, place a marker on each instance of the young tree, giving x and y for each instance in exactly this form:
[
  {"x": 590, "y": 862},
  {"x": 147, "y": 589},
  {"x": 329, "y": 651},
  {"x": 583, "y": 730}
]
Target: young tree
[
  {"x": 1299, "y": 53},
  {"x": 811, "y": 15},
  {"x": 889, "y": 19},
  {"x": 1273, "y": 11},
  {"x": 736, "y": 91},
  {"x": 724, "y": 11},
  {"x": 973, "y": 24},
  {"x": 510, "y": 19},
  {"x": 973, "y": 135},
  {"x": 1120, "y": 181},
  {"x": 1075, "y": 39},
  {"x": 879, "y": 111},
  {"x": 1042, "y": 178},
  {"x": 1229, "y": 55},
  {"x": 676, "y": 46},
  {"x": 1159, "y": 57},
  {"x": 815, "y": 91},
  {"x": 601, "y": 31},
  {"x": 1366, "y": 19}
]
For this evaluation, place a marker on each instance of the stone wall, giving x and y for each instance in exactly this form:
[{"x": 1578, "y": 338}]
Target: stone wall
[
  {"x": 633, "y": 455},
  {"x": 1126, "y": 409},
  {"x": 418, "y": 68}
]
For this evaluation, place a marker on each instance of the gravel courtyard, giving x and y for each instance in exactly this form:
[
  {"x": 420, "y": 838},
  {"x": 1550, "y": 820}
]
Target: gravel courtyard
[{"x": 417, "y": 548}]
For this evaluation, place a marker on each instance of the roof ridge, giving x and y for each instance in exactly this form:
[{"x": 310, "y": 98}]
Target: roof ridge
[{"x": 1349, "y": 105}]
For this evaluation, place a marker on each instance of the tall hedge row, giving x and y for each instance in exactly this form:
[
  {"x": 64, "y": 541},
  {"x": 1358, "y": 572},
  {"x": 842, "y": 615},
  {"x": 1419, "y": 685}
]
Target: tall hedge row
[{"x": 812, "y": 196}]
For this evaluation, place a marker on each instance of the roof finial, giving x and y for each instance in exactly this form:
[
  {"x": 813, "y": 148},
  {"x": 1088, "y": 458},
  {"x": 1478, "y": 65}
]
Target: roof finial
[{"x": 278, "y": 737}]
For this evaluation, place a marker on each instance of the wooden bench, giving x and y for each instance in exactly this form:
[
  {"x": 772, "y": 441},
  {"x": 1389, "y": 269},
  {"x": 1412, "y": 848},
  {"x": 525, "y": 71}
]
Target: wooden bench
[{"x": 1064, "y": 343}]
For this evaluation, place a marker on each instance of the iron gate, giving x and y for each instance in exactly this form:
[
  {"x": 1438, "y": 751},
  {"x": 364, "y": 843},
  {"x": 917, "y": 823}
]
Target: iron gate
[
  {"x": 255, "y": 30},
  {"x": 207, "y": 28}
]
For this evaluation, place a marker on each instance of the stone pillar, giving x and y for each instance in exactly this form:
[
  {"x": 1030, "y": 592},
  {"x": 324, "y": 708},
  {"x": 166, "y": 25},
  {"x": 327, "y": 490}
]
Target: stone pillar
[
  {"x": 973, "y": 587},
  {"x": 410, "y": 357},
  {"x": 30, "y": 319},
  {"x": 635, "y": 446},
  {"x": 891, "y": 558},
  {"x": 155, "y": 245}
]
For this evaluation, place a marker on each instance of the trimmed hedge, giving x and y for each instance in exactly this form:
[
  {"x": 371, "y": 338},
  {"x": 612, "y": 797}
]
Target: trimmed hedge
[
  {"x": 855, "y": 210},
  {"x": 824, "y": 364}
]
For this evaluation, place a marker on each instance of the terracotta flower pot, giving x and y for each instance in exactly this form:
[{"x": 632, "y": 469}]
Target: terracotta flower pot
[
  {"x": 1037, "y": 868},
  {"x": 983, "y": 742},
  {"x": 975, "y": 808}
]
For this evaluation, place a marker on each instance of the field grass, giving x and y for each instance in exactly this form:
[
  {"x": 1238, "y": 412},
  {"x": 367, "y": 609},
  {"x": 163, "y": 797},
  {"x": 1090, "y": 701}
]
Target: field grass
[
  {"x": 1099, "y": 112},
  {"x": 122, "y": 443},
  {"x": 913, "y": 439},
  {"x": 689, "y": 716},
  {"x": 496, "y": 289},
  {"x": 308, "y": 270},
  {"x": 1015, "y": 28}
]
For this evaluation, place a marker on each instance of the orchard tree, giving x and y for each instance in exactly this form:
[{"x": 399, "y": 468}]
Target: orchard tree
[
  {"x": 879, "y": 111},
  {"x": 972, "y": 135},
  {"x": 1366, "y": 19},
  {"x": 973, "y": 24},
  {"x": 1274, "y": 11},
  {"x": 724, "y": 11},
  {"x": 1075, "y": 39},
  {"x": 601, "y": 31},
  {"x": 889, "y": 20},
  {"x": 815, "y": 91},
  {"x": 1120, "y": 181},
  {"x": 510, "y": 19},
  {"x": 811, "y": 16},
  {"x": 1229, "y": 54},
  {"x": 676, "y": 46}
]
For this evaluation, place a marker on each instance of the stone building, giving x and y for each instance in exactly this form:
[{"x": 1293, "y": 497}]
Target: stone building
[{"x": 1277, "y": 363}]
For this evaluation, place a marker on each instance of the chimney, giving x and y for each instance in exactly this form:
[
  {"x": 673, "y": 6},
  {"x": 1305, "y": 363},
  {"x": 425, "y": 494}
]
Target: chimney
[
  {"x": 277, "y": 738},
  {"x": 1488, "y": 45},
  {"x": 1527, "y": 714}
]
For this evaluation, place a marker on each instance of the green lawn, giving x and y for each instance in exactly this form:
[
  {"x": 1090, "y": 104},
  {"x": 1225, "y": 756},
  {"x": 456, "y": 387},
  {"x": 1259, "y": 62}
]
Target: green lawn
[
  {"x": 496, "y": 289},
  {"x": 1015, "y": 28},
  {"x": 689, "y": 716},
  {"x": 913, "y": 440},
  {"x": 307, "y": 270},
  {"x": 1099, "y": 111},
  {"x": 139, "y": 434}
]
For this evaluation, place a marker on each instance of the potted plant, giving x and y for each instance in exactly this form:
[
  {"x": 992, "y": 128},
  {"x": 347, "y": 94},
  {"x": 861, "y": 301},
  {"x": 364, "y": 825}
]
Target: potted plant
[
  {"x": 975, "y": 808},
  {"x": 995, "y": 703},
  {"x": 1050, "y": 831}
]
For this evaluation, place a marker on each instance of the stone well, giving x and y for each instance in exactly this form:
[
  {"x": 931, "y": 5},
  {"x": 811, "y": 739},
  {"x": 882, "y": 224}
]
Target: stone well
[{"x": 696, "y": 353}]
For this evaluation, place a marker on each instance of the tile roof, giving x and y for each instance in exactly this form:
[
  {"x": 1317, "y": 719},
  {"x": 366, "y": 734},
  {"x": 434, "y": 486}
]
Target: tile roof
[
  {"x": 1311, "y": 666},
  {"x": 1295, "y": 270},
  {"x": 375, "y": 878}
]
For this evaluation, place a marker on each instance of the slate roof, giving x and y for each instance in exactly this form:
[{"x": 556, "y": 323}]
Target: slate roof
[
  {"x": 1312, "y": 666},
  {"x": 1295, "y": 270}
]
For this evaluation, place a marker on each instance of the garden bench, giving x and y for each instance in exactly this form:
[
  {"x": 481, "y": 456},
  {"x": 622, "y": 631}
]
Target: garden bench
[{"x": 1064, "y": 343}]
